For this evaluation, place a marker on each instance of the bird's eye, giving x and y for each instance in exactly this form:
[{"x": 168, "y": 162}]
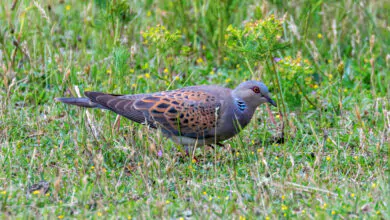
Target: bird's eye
[{"x": 256, "y": 89}]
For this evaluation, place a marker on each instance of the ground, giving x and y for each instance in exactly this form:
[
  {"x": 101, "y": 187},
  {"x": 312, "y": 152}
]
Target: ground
[{"x": 323, "y": 153}]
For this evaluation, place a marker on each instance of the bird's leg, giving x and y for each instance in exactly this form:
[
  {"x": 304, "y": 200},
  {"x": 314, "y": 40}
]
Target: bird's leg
[{"x": 187, "y": 149}]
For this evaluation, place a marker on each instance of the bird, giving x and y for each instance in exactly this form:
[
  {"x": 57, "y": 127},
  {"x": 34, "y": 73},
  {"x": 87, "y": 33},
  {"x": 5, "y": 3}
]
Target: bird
[{"x": 194, "y": 115}]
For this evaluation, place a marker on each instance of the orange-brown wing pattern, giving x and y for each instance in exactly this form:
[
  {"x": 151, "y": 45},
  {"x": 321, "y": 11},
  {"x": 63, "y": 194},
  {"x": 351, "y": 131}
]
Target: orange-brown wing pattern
[{"x": 181, "y": 112}]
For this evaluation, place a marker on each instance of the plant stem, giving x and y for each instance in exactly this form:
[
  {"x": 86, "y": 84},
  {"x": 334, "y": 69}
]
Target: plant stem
[
  {"x": 305, "y": 96},
  {"x": 277, "y": 82}
]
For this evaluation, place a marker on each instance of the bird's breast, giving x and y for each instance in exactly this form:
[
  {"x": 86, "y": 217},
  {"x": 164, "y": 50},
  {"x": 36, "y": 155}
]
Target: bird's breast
[{"x": 232, "y": 122}]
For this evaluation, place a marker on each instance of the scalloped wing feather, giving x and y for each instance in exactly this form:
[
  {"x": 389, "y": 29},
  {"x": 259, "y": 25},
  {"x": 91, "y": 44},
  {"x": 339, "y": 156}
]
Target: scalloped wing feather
[{"x": 185, "y": 113}]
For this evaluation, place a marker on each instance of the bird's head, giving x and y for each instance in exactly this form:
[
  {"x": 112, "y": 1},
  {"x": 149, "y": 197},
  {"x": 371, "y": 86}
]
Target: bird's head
[{"x": 253, "y": 93}]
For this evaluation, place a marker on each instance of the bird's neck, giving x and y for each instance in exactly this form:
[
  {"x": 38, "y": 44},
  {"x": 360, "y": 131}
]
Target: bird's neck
[
  {"x": 240, "y": 104},
  {"x": 242, "y": 113}
]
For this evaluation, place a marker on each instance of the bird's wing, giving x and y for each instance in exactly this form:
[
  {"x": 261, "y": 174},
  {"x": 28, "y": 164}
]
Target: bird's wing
[{"x": 186, "y": 112}]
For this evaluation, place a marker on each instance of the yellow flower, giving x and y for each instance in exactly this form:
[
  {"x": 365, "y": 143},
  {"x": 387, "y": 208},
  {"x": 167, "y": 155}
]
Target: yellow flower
[
  {"x": 227, "y": 198},
  {"x": 355, "y": 157},
  {"x": 133, "y": 85},
  {"x": 333, "y": 212},
  {"x": 324, "y": 206},
  {"x": 319, "y": 36},
  {"x": 330, "y": 76},
  {"x": 259, "y": 150},
  {"x": 242, "y": 217},
  {"x": 315, "y": 86},
  {"x": 303, "y": 211},
  {"x": 131, "y": 70},
  {"x": 129, "y": 217},
  {"x": 284, "y": 207},
  {"x": 99, "y": 214},
  {"x": 109, "y": 71},
  {"x": 276, "y": 158},
  {"x": 228, "y": 80},
  {"x": 238, "y": 154},
  {"x": 67, "y": 7},
  {"x": 226, "y": 58},
  {"x": 47, "y": 194},
  {"x": 267, "y": 218},
  {"x": 328, "y": 158},
  {"x": 149, "y": 13},
  {"x": 212, "y": 72},
  {"x": 181, "y": 218},
  {"x": 283, "y": 197},
  {"x": 60, "y": 216},
  {"x": 167, "y": 202},
  {"x": 104, "y": 170},
  {"x": 92, "y": 167},
  {"x": 352, "y": 195},
  {"x": 378, "y": 212},
  {"x": 165, "y": 70},
  {"x": 36, "y": 192},
  {"x": 373, "y": 185},
  {"x": 204, "y": 193},
  {"x": 176, "y": 78},
  {"x": 147, "y": 75},
  {"x": 284, "y": 214},
  {"x": 199, "y": 60},
  {"x": 3, "y": 192}
]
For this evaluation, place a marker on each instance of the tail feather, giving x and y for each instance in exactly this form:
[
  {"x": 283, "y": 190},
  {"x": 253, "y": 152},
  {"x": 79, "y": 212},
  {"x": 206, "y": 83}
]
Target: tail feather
[{"x": 82, "y": 102}]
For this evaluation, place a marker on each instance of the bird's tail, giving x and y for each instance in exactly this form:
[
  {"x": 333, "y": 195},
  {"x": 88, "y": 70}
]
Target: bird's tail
[{"x": 82, "y": 102}]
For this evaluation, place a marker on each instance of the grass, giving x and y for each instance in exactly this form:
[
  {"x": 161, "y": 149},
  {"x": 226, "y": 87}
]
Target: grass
[{"x": 332, "y": 81}]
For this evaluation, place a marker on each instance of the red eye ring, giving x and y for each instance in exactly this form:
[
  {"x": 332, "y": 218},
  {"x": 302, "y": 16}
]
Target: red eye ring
[{"x": 256, "y": 89}]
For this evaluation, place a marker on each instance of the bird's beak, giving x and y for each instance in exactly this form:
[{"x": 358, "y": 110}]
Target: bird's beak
[{"x": 271, "y": 101}]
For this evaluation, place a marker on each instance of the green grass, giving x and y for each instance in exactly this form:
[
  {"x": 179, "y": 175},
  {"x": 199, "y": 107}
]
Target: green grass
[{"x": 333, "y": 163}]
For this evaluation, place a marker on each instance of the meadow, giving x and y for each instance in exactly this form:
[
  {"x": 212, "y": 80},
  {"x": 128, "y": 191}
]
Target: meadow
[{"x": 322, "y": 154}]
